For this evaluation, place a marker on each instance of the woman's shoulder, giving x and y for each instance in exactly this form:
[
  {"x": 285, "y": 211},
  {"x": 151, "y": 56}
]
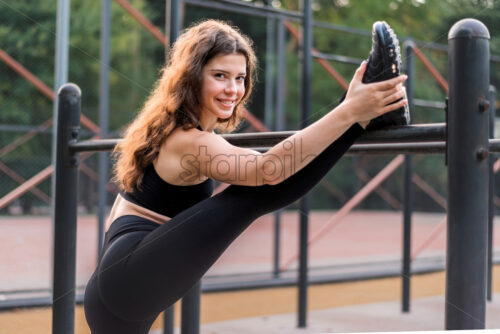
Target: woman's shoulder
[
  {"x": 180, "y": 144},
  {"x": 183, "y": 140}
]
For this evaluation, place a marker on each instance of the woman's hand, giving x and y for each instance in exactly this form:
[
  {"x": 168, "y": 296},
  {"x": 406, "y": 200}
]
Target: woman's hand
[{"x": 368, "y": 101}]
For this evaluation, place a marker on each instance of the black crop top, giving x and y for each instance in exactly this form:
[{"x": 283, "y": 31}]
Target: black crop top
[{"x": 165, "y": 198}]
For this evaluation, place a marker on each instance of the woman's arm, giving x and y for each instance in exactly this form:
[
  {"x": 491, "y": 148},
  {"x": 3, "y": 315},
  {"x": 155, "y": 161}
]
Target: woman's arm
[{"x": 210, "y": 155}]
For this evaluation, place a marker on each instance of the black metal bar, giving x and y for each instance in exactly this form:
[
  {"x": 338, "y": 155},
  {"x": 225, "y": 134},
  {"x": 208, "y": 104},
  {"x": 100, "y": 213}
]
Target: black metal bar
[
  {"x": 276, "y": 243},
  {"x": 401, "y": 148},
  {"x": 337, "y": 58},
  {"x": 381, "y": 270},
  {"x": 410, "y": 133},
  {"x": 406, "y": 270},
  {"x": 24, "y": 128},
  {"x": 280, "y": 75},
  {"x": 467, "y": 175},
  {"x": 60, "y": 78},
  {"x": 305, "y": 116},
  {"x": 173, "y": 25},
  {"x": 168, "y": 320},
  {"x": 279, "y": 125},
  {"x": 421, "y": 133},
  {"x": 175, "y": 20},
  {"x": 103, "y": 120},
  {"x": 247, "y": 8},
  {"x": 304, "y": 208},
  {"x": 190, "y": 313},
  {"x": 336, "y": 27},
  {"x": 494, "y": 145},
  {"x": 60, "y": 69},
  {"x": 383, "y": 148},
  {"x": 66, "y": 173},
  {"x": 407, "y": 187},
  {"x": 429, "y": 104},
  {"x": 491, "y": 194},
  {"x": 270, "y": 73}
]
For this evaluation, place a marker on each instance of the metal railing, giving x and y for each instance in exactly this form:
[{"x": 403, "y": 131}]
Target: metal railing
[{"x": 467, "y": 148}]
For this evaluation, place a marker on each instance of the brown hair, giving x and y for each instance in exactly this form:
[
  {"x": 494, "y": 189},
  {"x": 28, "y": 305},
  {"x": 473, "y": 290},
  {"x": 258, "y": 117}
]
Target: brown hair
[{"x": 175, "y": 100}]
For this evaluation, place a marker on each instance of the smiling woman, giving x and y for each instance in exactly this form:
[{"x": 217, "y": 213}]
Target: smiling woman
[
  {"x": 223, "y": 87},
  {"x": 165, "y": 230}
]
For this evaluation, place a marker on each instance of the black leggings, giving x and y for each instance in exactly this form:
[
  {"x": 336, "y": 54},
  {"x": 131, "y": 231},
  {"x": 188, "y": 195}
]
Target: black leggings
[{"x": 145, "y": 269}]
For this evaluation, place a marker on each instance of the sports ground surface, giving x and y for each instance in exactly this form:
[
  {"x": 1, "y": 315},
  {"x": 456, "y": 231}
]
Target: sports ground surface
[{"x": 363, "y": 240}]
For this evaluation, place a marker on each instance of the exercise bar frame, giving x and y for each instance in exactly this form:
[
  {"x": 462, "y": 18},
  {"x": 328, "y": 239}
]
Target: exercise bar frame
[{"x": 467, "y": 149}]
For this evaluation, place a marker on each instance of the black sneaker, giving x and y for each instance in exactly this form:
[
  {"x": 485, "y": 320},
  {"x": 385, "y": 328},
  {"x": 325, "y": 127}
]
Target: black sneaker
[{"x": 385, "y": 63}]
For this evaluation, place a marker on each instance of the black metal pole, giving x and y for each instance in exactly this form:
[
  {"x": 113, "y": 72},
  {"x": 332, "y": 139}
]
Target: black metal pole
[
  {"x": 303, "y": 261},
  {"x": 491, "y": 194},
  {"x": 407, "y": 187},
  {"x": 276, "y": 243},
  {"x": 279, "y": 125},
  {"x": 66, "y": 177},
  {"x": 270, "y": 65},
  {"x": 175, "y": 19},
  {"x": 190, "y": 314},
  {"x": 60, "y": 77},
  {"x": 173, "y": 28},
  {"x": 103, "y": 119},
  {"x": 168, "y": 320},
  {"x": 468, "y": 117},
  {"x": 304, "y": 202}
]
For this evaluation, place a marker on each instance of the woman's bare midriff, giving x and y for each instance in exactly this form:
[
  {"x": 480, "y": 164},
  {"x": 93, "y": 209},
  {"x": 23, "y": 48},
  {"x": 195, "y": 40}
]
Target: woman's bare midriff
[{"x": 122, "y": 207}]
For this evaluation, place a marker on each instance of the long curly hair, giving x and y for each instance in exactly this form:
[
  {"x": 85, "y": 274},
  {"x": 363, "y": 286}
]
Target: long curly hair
[{"x": 175, "y": 100}]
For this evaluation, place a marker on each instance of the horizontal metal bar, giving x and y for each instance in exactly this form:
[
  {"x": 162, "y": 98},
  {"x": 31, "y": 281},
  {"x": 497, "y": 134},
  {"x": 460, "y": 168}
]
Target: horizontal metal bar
[
  {"x": 440, "y": 47},
  {"x": 24, "y": 128},
  {"x": 25, "y": 302},
  {"x": 429, "y": 104},
  {"x": 336, "y": 27},
  {"x": 386, "y": 148},
  {"x": 246, "y": 8},
  {"x": 248, "y": 284},
  {"x": 429, "y": 132},
  {"x": 238, "y": 6},
  {"x": 494, "y": 145},
  {"x": 398, "y": 148},
  {"x": 250, "y": 281},
  {"x": 315, "y": 279},
  {"x": 94, "y": 145},
  {"x": 260, "y": 140},
  {"x": 337, "y": 58},
  {"x": 36, "y": 129},
  {"x": 368, "y": 33},
  {"x": 427, "y": 45}
]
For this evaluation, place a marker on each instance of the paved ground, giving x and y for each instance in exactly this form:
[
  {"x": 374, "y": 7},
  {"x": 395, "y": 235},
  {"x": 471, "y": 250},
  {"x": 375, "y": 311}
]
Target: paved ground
[
  {"x": 363, "y": 239},
  {"x": 426, "y": 315},
  {"x": 371, "y": 305}
]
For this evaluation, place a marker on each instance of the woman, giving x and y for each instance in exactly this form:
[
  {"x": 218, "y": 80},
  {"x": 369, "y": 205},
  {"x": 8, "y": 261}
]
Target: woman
[{"x": 164, "y": 230}]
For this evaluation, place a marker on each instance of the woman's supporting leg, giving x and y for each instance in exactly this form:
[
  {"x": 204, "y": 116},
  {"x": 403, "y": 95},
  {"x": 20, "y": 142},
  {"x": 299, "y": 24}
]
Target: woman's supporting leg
[
  {"x": 159, "y": 269},
  {"x": 102, "y": 321}
]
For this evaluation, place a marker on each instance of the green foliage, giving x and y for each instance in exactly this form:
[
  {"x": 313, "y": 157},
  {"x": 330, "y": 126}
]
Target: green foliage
[{"x": 25, "y": 34}]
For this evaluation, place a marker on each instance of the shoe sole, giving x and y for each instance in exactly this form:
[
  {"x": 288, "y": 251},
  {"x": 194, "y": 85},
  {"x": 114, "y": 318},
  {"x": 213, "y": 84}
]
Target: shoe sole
[{"x": 388, "y": 39}]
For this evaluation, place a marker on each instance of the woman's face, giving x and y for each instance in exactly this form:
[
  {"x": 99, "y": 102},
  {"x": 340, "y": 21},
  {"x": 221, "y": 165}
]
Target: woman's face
[{"x": 223, "y": 86}]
